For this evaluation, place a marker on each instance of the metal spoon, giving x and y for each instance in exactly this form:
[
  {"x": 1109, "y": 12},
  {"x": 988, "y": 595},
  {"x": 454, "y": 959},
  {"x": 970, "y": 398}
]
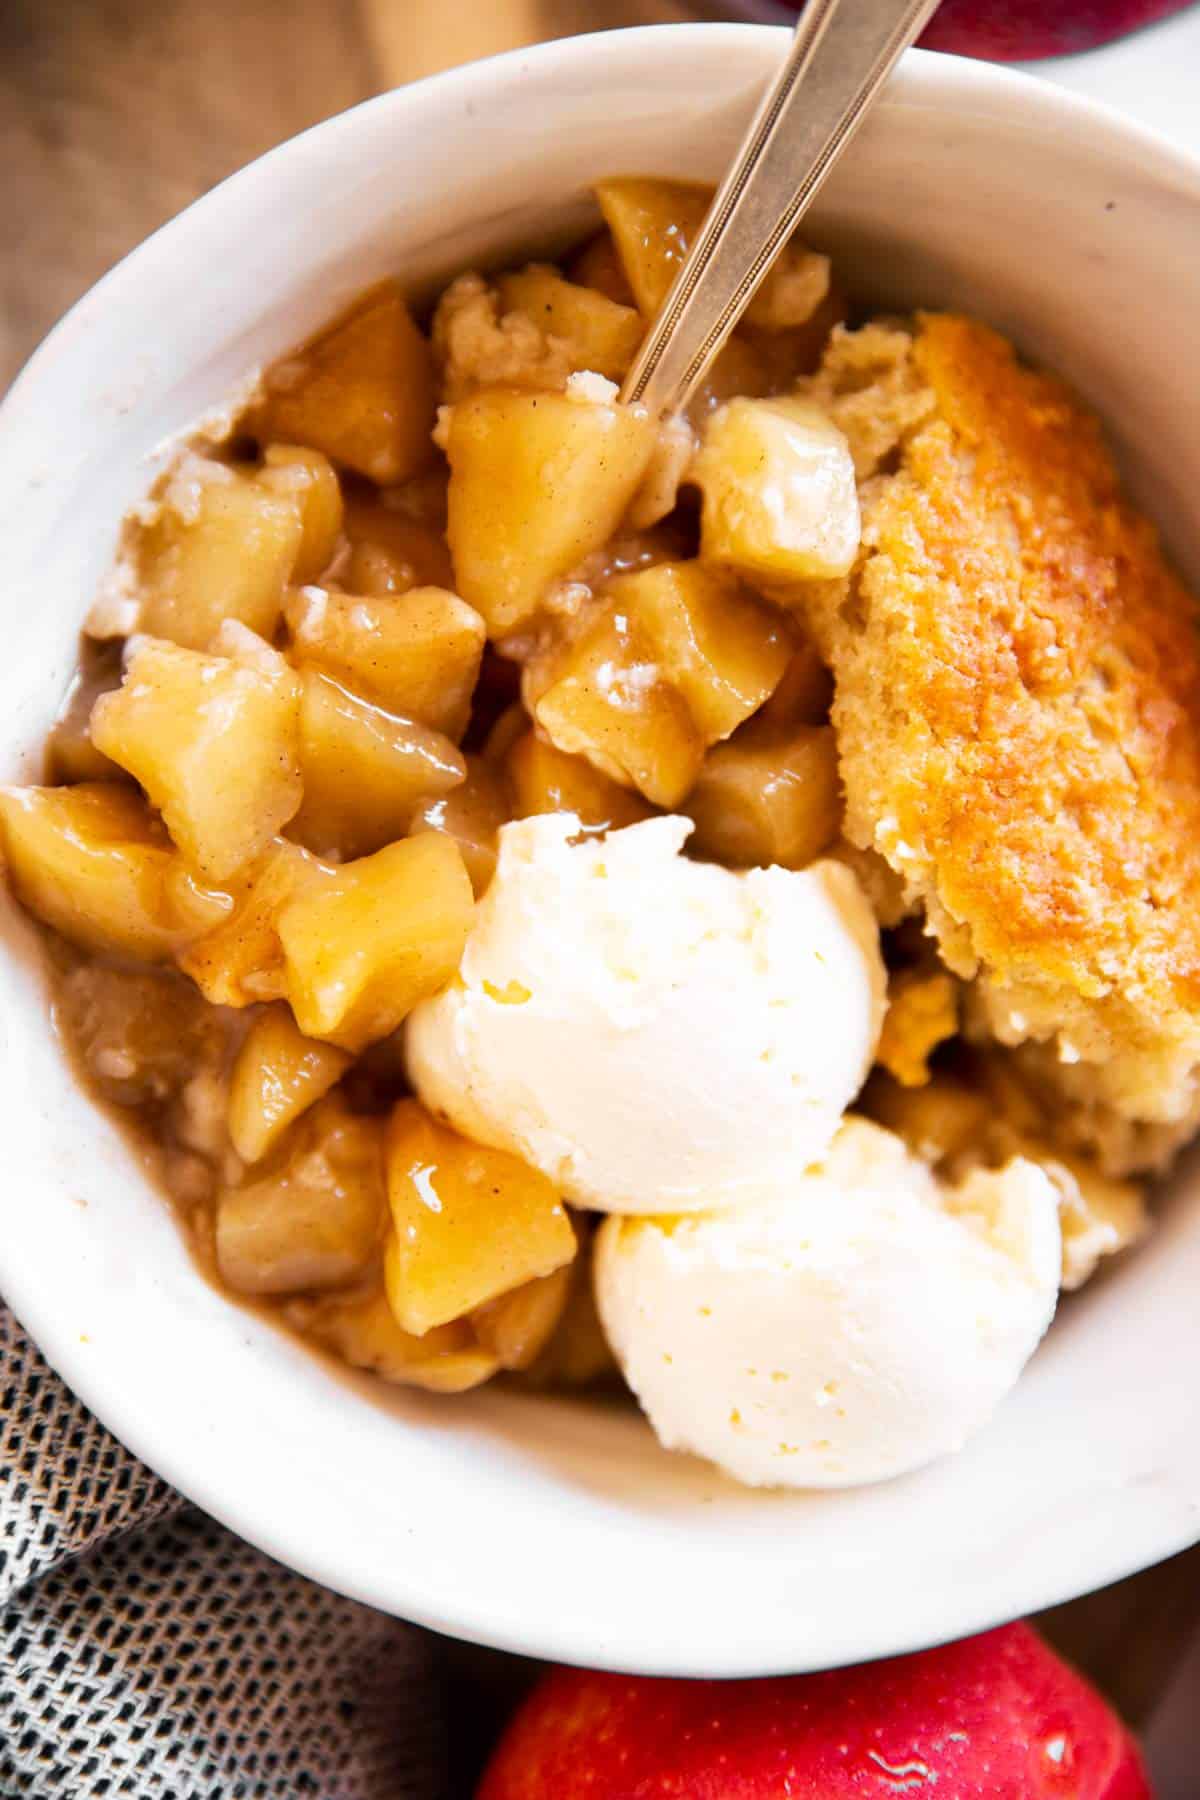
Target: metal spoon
[{"x": 842, "y": 53}]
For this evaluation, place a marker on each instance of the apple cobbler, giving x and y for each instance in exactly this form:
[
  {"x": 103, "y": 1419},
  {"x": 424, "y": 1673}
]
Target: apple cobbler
[{"x": 875, "y": 608}]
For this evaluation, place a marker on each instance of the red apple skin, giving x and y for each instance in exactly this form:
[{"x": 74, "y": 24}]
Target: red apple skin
[
  {"x": 1023, "y": 30},
  {"x": 997, "y": 1717}
]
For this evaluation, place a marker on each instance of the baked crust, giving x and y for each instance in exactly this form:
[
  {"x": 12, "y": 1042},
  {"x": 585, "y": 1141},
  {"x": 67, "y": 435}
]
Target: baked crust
[{"x": 1018, "y": 703}]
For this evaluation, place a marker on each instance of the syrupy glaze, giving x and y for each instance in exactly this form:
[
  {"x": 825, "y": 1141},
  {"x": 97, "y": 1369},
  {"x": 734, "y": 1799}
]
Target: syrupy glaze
[{"x": 429, "y": 581}]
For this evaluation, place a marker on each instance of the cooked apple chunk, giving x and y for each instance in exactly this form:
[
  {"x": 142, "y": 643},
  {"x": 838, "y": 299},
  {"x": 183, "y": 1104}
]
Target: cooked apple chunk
[
  {"x": 544, "y": 779},
  {"x": 679, "y": 657},
  {"x": 654, "y": 224},
  {"x": 802, "y": 698},
  {"x": 470, "y": 1223},
  {"x": 780, "y": 502},
  {"x": 364, "y": 769},
  {"x": 723, "y": 650},
  {"x": 278, "y": 1074},
  {"x": 779, "y": 802},
  {"x": 222, "y": 544},
  {"x": 241, "y": 961},
  {"x": 608, "y": 700},
  {"x": 597, "y": 265},
  {"x": 309, "y": 481},
  {"x": 392, "y": 551},
  {"x": 598, "y": 333},
  {"x": 362, "y": 392},
  {"x": 517, "y": 1327},
  {"x": 510, "y": 724},
  {"x": 794, "y": 294},
  {"x": 315, "y": 1216},
  {"x": 214, "y": 740},
  {"x": 416, "y": 653},
  {"x": 363, "y": 947},
  {"x": 471, "y": 816},
  {"x": 362, "y": 1329},
  {"x": 578, "y": 1354},
  {"x": 537, "y": 483},
  {"x": 93, "y": 862}
]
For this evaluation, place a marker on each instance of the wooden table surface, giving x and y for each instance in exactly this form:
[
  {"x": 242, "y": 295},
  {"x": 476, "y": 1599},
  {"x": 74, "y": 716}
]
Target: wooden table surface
[{"x": 114, "y": 114}]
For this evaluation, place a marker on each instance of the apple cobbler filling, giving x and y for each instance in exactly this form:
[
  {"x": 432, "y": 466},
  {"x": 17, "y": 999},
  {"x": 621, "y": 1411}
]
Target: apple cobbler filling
[{"x": 439, "y": 579}]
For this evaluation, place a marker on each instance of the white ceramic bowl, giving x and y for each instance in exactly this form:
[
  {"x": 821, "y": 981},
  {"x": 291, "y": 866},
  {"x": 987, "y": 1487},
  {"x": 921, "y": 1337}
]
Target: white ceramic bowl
[{"x": 553, "y": 1527}]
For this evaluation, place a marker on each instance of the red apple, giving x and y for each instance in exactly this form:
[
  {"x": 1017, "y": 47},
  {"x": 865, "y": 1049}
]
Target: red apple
[
  {"x": 997, "y": 1717},
  {"x": 1020, "y": 30}
]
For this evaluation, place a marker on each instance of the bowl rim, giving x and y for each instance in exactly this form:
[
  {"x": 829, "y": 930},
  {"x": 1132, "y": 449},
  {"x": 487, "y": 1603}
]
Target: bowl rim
[
  {"x": 925, "y": 79},
  {"x": 997, "y": 83}
]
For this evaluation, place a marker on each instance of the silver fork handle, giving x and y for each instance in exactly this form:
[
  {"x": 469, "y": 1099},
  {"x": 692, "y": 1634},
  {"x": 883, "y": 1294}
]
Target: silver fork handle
[{"x": 842, "y": 53}]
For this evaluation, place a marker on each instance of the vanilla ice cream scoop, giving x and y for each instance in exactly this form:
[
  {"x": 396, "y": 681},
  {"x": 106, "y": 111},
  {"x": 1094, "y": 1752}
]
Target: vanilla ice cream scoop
[
  {"x": 859, "y": 1324},
  {"x": 654, "y": 1034}
]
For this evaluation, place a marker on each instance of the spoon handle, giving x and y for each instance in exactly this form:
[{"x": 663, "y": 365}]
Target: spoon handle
[{"x": 842, "y": 53}]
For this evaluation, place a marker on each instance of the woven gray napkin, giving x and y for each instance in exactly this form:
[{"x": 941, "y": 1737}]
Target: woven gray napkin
[{"x": 146, "y": 1652}]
